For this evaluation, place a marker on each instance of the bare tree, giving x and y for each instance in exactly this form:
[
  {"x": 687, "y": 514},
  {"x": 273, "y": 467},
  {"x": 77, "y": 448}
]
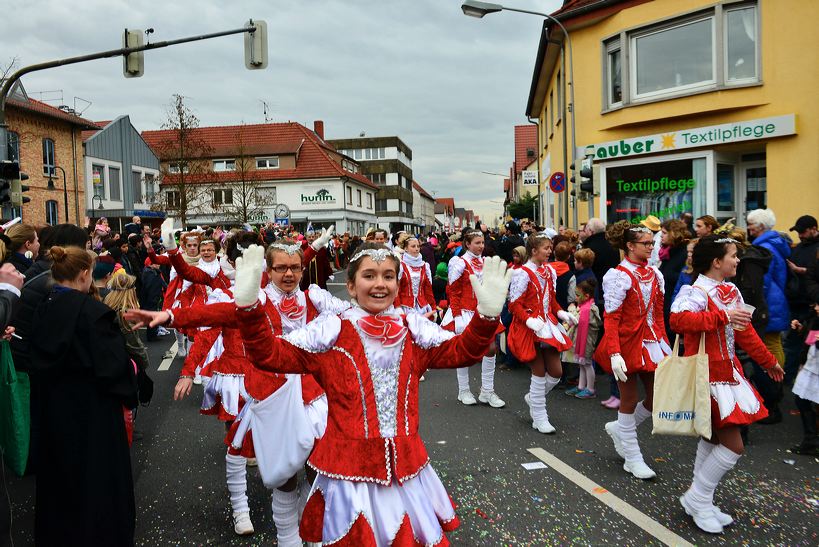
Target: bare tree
[
  {"x": 248, "y": 196},
  {"x": 185, "y": 175}
]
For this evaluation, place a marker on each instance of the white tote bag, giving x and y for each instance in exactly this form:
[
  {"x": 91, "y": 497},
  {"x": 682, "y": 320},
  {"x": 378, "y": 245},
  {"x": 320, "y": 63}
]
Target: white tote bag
[
  {"x": 682, "y": 394},
  {"x": 282, "y": 434}
]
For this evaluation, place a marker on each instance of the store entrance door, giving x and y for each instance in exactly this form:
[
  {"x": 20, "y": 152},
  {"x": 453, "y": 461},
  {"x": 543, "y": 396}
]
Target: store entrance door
[{"x": 753, "y": 178}]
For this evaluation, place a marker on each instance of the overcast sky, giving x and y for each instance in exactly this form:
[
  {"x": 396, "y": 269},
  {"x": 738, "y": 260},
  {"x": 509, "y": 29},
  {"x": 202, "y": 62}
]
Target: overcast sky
[{"x": 452, "y": 87}]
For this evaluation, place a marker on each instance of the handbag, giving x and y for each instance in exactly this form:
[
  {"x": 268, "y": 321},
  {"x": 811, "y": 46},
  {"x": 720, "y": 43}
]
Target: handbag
[
  {"x": 682, "y": 394},
  {"x": 15, "y": 412}
]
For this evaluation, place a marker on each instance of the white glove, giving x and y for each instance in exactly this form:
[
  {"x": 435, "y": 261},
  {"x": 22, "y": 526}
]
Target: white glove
[
  {"x": 167, "y": 234},
  {"x": 566, "y": 317},
  {"x": 324, "y": 239},
  {"x": 535, "y": 323},
  {"x": 492, "y": 289},
  {"x": 618, "y": 368},
  {"x": 460, "y": 324},
  {"x": 249, "y": 269}
]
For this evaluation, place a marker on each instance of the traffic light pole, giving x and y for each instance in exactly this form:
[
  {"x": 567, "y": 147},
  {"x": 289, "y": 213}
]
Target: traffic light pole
[{"x": 11, "y": 80}]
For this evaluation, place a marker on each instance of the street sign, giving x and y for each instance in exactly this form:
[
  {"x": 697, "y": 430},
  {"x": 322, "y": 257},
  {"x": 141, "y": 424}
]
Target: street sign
[
  {"x": 557, "y": 182},
  {"x": 283, "y": 221},
  {"x": 529, "y": 178}
]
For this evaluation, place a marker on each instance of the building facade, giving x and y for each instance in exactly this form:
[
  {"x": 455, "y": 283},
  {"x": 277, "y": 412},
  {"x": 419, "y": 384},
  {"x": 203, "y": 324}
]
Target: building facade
[
  {"x": 693, "y": 106},
  {"x": 445, "y": 214},
  {"x": 387, "y": 162},
  {"x": 47, "y": 143},
  {"x": 424, "y": 206},
  {"x": 277, "y": 172},
  {"x": 121, "y": 174}
]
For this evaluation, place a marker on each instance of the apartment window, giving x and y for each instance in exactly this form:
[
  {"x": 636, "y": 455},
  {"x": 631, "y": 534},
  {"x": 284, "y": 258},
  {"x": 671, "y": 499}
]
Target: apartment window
[
  {"x": 173, "y": 199},
  {"x": 357, "y": 154},
  {"x": 224, "y": 165},
  {"x": 349, "y": 196},
  {"x": 51, "y": 212},
  {"x": 114, "y": 184},
  {"x": 369, "y": 201},
  {"x": 368, "y": 154},
  {"x": 267, "y": 163},
  {"x": 380, "y": 205},
  {"x": 349, "y": 166},
  {"x": 382, "y": 153},
  {"x": 150, "y": 188},
  {"x": 358, "y": 197},
  {"x": 551, "y": 112},
  {"x": 48, "y": 158},
  {"x": 741, "y": 44},
  {"x": 559, "y": 85},
  {"x": 174, "y": 168},
  {"x": 378, "y": 178},
  {"x": 223, "y": 196},
  {"x": 136, "y": 186},
  {"x": 13, "y": 146},
  {"x": 710, "y": 50},
  {"x": 98, "y": 180}
]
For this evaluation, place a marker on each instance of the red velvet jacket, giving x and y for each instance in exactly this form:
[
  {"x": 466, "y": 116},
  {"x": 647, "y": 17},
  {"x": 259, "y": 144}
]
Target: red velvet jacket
[
  {"x": 352, "y": 447},
  {"x": 459, "y": 292},
  {"x": 405, "y": 295}
]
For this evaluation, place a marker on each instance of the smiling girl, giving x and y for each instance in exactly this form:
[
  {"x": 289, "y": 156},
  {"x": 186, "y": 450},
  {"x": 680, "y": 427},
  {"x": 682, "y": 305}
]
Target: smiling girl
[{"x": 375, "y": 485}]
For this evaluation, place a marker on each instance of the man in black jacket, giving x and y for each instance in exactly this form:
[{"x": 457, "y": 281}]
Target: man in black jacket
[
  {"x": 803, "y": 256},
  {"x": 509, "y": 241},
  {"x": 606, "y": 257}
]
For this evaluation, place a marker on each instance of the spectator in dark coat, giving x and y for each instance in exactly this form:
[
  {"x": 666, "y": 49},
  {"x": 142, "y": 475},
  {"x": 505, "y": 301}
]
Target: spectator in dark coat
[
  {"x": 428, "y": 253},
  {"x": 510, "y": 239},
  {"x": 23, "y": 246},
  {"x": 151, "y": 292},
  {"x": 490, "y": 242},
  {"x": 802, "y": 258},
  {"x": 133, "y": 227},
  {"x": 675, "y": 236},
  {"x": 606, "y": 257}
]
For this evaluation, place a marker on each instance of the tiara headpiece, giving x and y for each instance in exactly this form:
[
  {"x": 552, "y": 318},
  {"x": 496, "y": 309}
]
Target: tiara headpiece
[
  {"x": 205, "y": 241},
  {"x": 727, "y": 240},
  {"x": 289, "y": 249},
  {"x": 378, "y": 255},
  {"x": 192, "y": 238},
  {"x": 642, "y": 229}
]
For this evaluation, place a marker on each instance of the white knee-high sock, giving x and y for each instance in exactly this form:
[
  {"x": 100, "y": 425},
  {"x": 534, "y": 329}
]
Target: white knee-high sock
[
  {"x": 236, "y": 475},
  {"x": 180, "y": 339},
  {"x": 641, "y": 414},
  {"x": 285, "y": 507},
  {"x": 712, "y": 469},
  {"x": 463, "y": 378},
  {"x": 550, "y": 385},
  {"x": 488, "y": 374},
  {"x": 628, "y": 437},
  {"x": 537, "y": 398},
  {"x": 704, "y": 449}
]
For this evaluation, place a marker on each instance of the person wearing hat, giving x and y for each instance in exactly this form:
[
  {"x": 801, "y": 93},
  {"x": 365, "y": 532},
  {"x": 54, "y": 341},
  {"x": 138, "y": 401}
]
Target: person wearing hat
[
  {"x": 803, "y": 256},
  {"x": 653, "y": 223}
]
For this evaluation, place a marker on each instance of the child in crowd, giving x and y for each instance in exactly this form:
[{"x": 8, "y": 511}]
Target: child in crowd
[
  {"x": 584, "y": 337},
  {"x": 518, "y": 257},
  {"x": 806, "y": 387},
  {"x": 687, "y": 274}
]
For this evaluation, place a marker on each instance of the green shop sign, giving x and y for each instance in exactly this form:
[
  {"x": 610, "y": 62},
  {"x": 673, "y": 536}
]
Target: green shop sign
[
  {"x": 664, "y": 184},
  {"x": 763, "y": 128},
  {"x": 321, "y": 196}
]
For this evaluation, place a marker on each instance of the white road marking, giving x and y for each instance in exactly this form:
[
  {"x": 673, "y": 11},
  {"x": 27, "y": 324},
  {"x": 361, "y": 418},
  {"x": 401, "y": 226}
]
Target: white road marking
[
  {"x": 627, "y": 510},
  {"x": 168, "y": 359},
  {"x": 337, "y": 284}
]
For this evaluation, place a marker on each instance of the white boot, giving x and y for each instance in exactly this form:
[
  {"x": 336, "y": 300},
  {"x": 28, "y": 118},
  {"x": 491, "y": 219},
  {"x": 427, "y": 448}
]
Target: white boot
[
  {"x": 236, "y": 478},
  {"x": 181, "y": 344},
  {"x": 464, "y": 393},
  {"x": 487, "y": 394},
  {"x": 635, "y": 464},
  {"x": 641, "y": 414},
  {"x": 704, "y": 449},
  {"x": 285, "y": 507},
  {"x": 698, "y": 501}
]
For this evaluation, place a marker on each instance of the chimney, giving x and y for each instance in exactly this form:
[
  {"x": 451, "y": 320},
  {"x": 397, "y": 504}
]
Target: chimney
[{"x": 318, "y": 128}]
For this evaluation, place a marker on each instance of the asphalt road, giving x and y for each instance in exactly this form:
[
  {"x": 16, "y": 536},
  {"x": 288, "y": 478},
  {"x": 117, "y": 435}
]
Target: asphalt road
[{"x": 479, "y": 454}]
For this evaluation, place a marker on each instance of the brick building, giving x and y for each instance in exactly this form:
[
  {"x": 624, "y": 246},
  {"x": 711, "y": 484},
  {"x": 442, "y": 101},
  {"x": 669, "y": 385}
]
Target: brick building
[{"x": 45, "y": 139}]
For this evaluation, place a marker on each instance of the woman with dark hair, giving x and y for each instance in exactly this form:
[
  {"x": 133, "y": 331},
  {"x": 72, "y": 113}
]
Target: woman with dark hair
[
  {"x": 85, "y": 492},
  {"x": 713, "y": 308},
  {"x": 673, "y": 253},
  {"x": 634, "y": 340}
]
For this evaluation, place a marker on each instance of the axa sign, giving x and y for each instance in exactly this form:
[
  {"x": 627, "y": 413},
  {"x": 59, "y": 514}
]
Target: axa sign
[{"x": 321, "y": 196}]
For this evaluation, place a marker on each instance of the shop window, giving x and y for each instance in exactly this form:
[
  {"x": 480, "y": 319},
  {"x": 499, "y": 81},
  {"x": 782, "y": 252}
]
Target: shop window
[
  {"x": 756, "y": 188},
  {"x": 51, "y": 213},
  {"x": 98, "y": 180},
  {"x": 725, "y": 188},
  {"x": 114, "y": 184},
  {"x": 665, "y": 189}
]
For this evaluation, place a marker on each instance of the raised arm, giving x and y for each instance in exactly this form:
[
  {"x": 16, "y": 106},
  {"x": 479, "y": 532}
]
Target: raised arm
[
  {"x": 220, "y": 314},
  {"x": 455, "y": 285},
  {"x": 188, "y": 272}
]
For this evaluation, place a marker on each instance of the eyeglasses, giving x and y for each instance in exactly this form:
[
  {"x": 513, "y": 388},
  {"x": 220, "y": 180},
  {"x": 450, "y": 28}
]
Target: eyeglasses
[
  {"x": 646, "y": 243},
  {"x": 283, "y": 269}
]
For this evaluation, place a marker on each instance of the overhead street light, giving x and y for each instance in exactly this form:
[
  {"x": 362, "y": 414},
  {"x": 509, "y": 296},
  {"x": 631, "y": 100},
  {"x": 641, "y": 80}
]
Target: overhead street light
[{"x": 476, "y": 9}]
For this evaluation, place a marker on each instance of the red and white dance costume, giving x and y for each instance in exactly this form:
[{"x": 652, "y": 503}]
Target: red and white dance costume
[
  {"x": 375, "y": 486},
  {"x": 703, "y": 309},
  {"x": 462, "y": 306},
  {"x": 634, "y": 330},
  {"x": 532, "y": 296},
  {"x": 415, "y": 285},
  {"x": 286, "y": 433}
]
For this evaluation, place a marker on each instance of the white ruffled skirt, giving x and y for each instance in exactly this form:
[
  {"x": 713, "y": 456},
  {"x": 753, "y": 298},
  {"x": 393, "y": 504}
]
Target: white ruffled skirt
[
  {"x": 806, "y": 384},
  {"x": 223, "y": 395},
  {"x": 737, "y": 404}
]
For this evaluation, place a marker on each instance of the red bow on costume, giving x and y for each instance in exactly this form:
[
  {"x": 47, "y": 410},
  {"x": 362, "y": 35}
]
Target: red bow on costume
[
  {"x": 644, "y": 274},
  {"x": 543, "y": 270},
  {"x": 477, "y": 264},
  {"x": 416, "y": 268},
  {"x": 727, "y": 293},
  {"x": 290, "y": 307},
  {"x": 383, "y": 327}
]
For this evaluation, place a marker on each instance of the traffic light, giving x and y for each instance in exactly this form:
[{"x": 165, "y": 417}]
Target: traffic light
[
  {"x": 9, "y": 170},
  {"x": 256, "y": 45},
  {"x": 133, "y": 64},
  {"x": 587, "y": 177},
  {"x": 17, "y": 186}
]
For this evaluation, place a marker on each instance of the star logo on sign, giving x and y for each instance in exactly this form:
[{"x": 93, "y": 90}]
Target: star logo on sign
[{"x": 668, "y": 140}]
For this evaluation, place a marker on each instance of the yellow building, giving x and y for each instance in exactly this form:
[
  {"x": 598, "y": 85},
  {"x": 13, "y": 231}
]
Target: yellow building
[{"x": 681, "y": 106}]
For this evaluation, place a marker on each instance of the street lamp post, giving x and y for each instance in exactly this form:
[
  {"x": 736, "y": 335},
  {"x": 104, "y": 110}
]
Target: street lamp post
[
  {"x": 93, "y": 211},
  {"x": 473, "y": 8},
  {"x": 65, "y": 190}
]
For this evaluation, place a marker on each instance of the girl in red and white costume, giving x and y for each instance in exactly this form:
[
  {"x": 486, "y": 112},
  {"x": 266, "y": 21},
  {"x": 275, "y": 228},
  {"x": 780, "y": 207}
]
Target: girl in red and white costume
[
  {"x": 461, "y": 309},
  {"x": 375, "y": 486},
  {"x": 415, "y": 281},
  {"x": 714, "y": 307},
  {"x": 634, "y": 341},
  {"x": 536, "y": 336}
]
